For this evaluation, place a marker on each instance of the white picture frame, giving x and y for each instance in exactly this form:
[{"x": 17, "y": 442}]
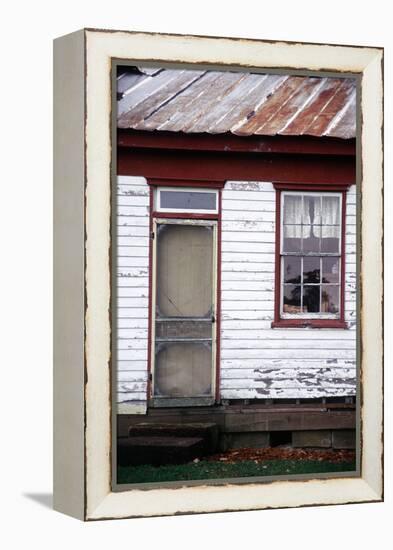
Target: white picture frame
[{"x": 83, "y": 170}]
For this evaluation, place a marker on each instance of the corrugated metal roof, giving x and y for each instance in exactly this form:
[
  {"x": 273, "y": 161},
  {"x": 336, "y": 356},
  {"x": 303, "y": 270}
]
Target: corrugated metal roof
[{"x": 244, "y": 104}]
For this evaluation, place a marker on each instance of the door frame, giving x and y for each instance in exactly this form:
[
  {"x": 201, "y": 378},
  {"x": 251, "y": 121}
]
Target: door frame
[{"x": 153, "y": 401}]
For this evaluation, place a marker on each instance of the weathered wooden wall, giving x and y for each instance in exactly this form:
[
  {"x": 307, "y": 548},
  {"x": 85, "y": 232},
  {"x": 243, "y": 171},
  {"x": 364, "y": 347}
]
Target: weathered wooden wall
[
  {"x": 132, "y": 280},
  {"x": 256, "y": 360}
]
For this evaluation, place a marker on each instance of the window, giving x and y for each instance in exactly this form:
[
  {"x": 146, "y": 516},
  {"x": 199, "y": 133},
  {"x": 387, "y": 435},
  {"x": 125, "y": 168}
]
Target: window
[
  {"x": 310, "y": 262},
  {"x": 186, "y": 200}
]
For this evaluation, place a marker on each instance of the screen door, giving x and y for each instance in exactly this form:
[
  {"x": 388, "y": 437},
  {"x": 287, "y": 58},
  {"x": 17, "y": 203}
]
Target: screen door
[{"x": 184, "y": 312}]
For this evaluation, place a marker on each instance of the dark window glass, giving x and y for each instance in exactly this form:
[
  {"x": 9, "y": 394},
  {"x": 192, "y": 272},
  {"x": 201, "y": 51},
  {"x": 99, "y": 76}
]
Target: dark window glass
[
  {"x": 311, "y": 299},
  {"x": 292, "y": 299},
  {"x": 330, "y": 239},
  {"x": 330, "y": 299},
  {"x": 188, "y": 200},
  {"x": 311, "y": 270},
  {"x": 292, "y": 269},
  {"x": 331, "y": 269}
]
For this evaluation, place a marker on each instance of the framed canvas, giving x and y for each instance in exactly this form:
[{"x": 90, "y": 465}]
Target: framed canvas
[{"x": 218, "y": 274}]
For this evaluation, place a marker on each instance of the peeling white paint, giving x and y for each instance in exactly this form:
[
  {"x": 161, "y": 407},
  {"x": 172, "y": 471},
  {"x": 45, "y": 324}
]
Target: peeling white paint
[{"x": 256, "y": 360}]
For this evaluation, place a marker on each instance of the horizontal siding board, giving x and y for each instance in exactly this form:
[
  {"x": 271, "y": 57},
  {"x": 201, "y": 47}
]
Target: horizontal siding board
[
  {"x": 132, "y": 303},
  {"x": 132, "y": 251},
  {"x": 132, "y": 272},
  {"x": 132, "y": 262},
  {"x": 301, "y": 381},
  {"x": 292, "y": 363},
  {"x": 247, "y": 315},
  {"x": 132, "y": 292},
  {"x": 248, "y": 186},
  {"x": 131, "y": 386},
  {"x": 282, "y": 353},
  {"x": 287, "y": 393},
  {"x": 132, "y": 376},
  {"x": 249, "y": 331},
  {"x": 234, "y": 276},
  {"x": 250, "y": 305},
  {"x": 127, "y": 334},
  {"x": 249, "y": 248},
  {"x": 258, "y": 268},
  {"x": 307, "y": 343},
  {"x": 248, "y": 295},
  {"x": 132, "y": 397},
  {"x": 244, "y": 285},
  {"x": 133, "y": 345},
  {"x": 247, "y": 258},
  {"x": 289, "y": 373},
  {"x": 136, "y": 365},
  {"x": 246, "y": 206},
  {"x": 133, "y": 211},
  {"x": 239, "y": 226},
  {"x": 248, "y": 216},
  {"x": 127, "y": 190},
  {"x": 127, "y": 354},
  {"x": 134, "y": 323},
  {"x": 136, "y": 181},
  {"x": 250, "y": 237},
  {"x": 130, "y": 200},
  {"x": 124, "y": 283},
  {"x": 133, "y": 241},
  {"x": 133, "y": 231}
]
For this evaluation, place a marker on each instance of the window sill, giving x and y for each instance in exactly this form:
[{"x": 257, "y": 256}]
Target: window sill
[{"x": 309, "y": 323}]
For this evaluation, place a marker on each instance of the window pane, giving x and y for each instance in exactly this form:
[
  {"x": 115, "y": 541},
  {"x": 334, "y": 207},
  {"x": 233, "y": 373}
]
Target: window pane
[
  {"x": 330, "y": 210},
  {"x": 292, "y": 268},
  {"x": 292, "y": 238},
  {"x": 331, "y": 270},
  {"x": 188, "y": 200},
  {"x": 330, "y": 238},
  {"x": 291, "y": 299},
  {"x": 311, "y": 270},
  {"x": 311, "y": 210},
  {"x": 292, "y": 209},
  {"x": 330, "y": 299},
  {"x": 311, "y": 299},
  {"x": 310, "y": 239}
]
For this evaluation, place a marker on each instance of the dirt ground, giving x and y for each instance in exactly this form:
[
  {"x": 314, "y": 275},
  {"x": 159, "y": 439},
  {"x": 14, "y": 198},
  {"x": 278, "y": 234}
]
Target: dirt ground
[{"x": 283, "y": 453}]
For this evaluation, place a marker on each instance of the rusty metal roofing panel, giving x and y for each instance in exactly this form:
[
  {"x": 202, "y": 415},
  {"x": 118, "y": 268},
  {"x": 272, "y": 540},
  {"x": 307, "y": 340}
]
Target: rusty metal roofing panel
[{"x": 241, "y": 103}]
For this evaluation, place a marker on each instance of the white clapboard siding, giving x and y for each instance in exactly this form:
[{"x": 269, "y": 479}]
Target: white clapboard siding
[
  {"x": 256, "y": 360},
  {"x": 132, "y": 292}
]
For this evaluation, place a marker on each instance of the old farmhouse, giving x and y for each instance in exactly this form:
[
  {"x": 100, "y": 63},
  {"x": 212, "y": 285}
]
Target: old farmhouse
[{"x": 235, "y": 253}]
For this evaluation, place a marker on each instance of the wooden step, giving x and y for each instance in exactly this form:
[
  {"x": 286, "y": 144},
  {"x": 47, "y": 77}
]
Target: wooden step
[{"x": 158, "y": 449}]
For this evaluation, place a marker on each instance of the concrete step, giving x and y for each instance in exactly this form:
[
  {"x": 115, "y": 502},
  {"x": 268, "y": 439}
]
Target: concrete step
[{"x": 158, "y": 449}]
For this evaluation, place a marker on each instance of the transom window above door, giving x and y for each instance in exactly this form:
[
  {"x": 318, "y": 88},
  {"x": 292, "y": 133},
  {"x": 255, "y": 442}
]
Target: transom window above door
[
  {"x": 310, "y": 264},
  {"x": 175, "y": 199}
]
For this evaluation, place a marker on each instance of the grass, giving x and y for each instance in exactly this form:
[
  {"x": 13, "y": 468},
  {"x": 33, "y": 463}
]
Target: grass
[{"x": 218, "y": 470}]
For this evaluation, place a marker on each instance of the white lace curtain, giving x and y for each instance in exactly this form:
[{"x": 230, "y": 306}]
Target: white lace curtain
[{"x": 312, "y": 212}]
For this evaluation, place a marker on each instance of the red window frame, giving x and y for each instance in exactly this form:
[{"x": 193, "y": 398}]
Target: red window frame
[{"x": 304, "y": 322}]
